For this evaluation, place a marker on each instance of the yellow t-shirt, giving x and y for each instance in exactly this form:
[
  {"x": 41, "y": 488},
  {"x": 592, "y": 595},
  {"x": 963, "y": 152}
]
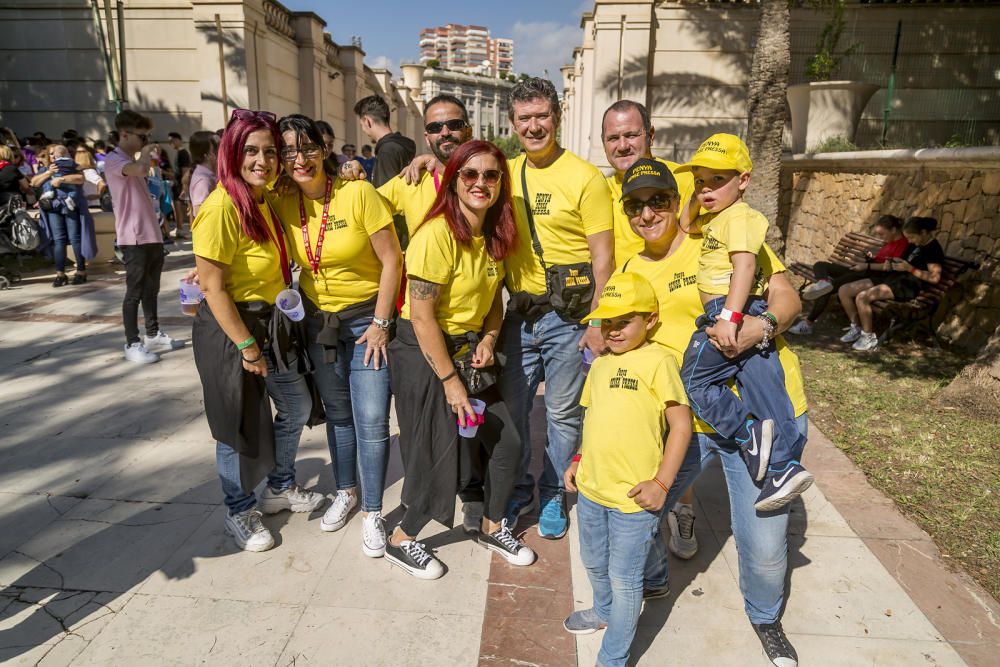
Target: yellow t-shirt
[
  {"x": 410, "y": 201},
  {"x": 674, "y": 280},
  {"x": 738, "y": 228},
  {"x": 254, "y": 268},
  {"x": 626, "y": 241},
  {"x": 624, "y": 426},
  {"x": 468, "y": 276},
  {"x": 570, "y": 201},
  {"x": 349, "y": 270}
]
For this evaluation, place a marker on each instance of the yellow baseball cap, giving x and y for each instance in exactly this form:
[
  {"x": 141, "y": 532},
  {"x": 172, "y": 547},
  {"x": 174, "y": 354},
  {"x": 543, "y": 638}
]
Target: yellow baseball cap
[
  {"x": 625, "y": 293},
  {"x": 720, "y": 151}
]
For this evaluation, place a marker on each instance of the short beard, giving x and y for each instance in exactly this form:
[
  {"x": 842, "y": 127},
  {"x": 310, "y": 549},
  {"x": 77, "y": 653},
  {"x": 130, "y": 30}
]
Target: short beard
[{"x": 440, "y": 154}]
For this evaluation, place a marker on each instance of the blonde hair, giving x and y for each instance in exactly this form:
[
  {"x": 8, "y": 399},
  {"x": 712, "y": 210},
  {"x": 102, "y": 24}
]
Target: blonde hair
[
  {"x": 6, "y": 153},
  {"x": 87, "y": 161}
]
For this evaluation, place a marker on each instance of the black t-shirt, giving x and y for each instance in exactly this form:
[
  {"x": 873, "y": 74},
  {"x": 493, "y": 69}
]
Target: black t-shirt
[
  {"x": 10, "y": 179},
  {"x": 183, "y": 162},
  {"x": 921, "y": 256}
]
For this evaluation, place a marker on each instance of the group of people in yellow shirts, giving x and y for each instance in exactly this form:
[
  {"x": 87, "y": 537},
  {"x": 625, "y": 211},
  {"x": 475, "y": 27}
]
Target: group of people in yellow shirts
[{"x": 596, "y": 268}]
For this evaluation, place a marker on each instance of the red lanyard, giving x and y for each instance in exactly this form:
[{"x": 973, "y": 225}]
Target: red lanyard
[
  {"x": 314, "y": 261},
  {"x": 279, "y": 240},
  {"x": 437, "y": 183}
]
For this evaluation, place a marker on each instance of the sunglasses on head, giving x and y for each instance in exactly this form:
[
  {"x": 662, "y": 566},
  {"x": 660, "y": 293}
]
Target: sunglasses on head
[
  {"x": 309, "y": 151},
  {"x": 471, "y": 176},
  {"x": 659, "y": 204},
  {"x": 247, "y": 114},
  {"x": 455, "y": 124}
]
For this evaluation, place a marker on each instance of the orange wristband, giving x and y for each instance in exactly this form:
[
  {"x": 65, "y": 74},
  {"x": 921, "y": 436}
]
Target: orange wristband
[{"x": 660, "y": 484}]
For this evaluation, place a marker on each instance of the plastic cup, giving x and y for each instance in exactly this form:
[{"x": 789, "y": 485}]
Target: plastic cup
[
  {"x": 588, "y": 359},
  {"x": 191, "y": 297},
  {"x": 290, "y": 303},
  {"x": 470, "y": 431}
]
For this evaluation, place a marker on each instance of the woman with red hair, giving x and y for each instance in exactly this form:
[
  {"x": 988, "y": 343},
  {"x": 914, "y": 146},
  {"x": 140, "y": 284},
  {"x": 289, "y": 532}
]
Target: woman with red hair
[
  {"x": 452, "y": 314},
  {"x": 244, "y": 348}
]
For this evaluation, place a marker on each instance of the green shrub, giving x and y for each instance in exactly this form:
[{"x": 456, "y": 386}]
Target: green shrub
[{"x": 834, "y": 145}]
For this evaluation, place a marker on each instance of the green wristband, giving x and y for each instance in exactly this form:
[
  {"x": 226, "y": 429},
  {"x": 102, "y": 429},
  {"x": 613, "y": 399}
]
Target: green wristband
[
  {"x": 245, "y": 344},
  {"x": 769, "y": 315},
  {"x": 595, "y": 323}
]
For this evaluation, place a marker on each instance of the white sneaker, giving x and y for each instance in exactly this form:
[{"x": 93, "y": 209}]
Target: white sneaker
[
  {"x": 161, "y": 342},
  {"x": 336, "y": 516},
  {"x": 70, "y": 203},
  {"x": 853, "y": 333},
  {"x": 373, "y": 535},
  {"x": 138, "y": 354},
  {"x": 48, "y": 194},
  {"x": 866, "y": 342},
  {"x": 801, "y": 328},
  {"x": 683, "y": 542},
  {"x": 294, "y": 499},
  {"x": 249, "y": 531},
  {"x": 817, "y": 289}
]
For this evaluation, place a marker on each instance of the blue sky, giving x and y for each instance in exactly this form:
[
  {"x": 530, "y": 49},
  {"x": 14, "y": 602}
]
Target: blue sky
[{"x": 544, "y": 31}]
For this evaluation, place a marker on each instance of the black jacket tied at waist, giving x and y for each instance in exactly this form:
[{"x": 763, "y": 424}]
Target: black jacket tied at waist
[{"x": 329, "y": 332}]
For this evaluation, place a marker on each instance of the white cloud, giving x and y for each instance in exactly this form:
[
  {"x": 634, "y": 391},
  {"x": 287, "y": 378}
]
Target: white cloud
[
  {"x": 544, "y": 45},
  {"x": 381, "y": 62}
]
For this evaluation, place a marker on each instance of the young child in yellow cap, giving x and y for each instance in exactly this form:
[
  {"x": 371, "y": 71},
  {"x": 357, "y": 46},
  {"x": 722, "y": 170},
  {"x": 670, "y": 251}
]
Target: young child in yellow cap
[
  {"x": 633, "y": 399},
  {"x": 761, "y": 419}
]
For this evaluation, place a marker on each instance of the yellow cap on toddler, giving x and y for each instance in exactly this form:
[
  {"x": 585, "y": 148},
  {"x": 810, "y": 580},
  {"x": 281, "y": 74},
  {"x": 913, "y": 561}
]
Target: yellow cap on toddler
[{"x": 720, "y": 151}]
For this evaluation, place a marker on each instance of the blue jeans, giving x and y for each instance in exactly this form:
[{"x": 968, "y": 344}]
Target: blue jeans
[
  {"x": 613, "y": 548},
  {"x": 545, "y": 348},
  {"x": 292, "y": 405},
  {"x": 759, "y": 377},
  {"x": 761, "y": 537},
  {"x": 65, "y": 228},
  {"x": 356, "y": 399}
]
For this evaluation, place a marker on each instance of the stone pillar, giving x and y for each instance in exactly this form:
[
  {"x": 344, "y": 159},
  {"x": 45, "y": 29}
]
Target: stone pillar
[
  {"x": 312, "y": 62},
  {"x": 352, "y": 63},
  {"x": 477, "y": 115}
]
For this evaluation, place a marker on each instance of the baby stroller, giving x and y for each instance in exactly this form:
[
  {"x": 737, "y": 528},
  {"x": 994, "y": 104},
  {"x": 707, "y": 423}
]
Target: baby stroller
[{"x": 19, "y": 232}]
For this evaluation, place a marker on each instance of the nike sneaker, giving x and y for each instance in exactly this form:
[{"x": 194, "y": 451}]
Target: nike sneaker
[
  {"x": 783, "y": 486},
  {"x": 755, "y": 446}
]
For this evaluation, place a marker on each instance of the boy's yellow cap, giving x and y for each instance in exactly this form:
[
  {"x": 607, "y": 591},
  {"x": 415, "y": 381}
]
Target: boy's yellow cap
[
  {"x": 720, "y": 151},
  {"x": 625, "y": 293}
]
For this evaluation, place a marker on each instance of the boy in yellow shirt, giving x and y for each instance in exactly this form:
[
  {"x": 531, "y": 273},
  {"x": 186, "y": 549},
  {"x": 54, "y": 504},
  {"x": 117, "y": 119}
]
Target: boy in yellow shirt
[
  {"x": 634, "y": 399},
  {"x": 761, "y": 419}
]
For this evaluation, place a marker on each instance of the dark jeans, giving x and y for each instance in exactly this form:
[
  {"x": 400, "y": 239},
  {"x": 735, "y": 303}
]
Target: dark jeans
[
  {"x": 837, "y": 274},
  {"x": 759, "y": 378},
  {"x": 65, "y": 228},
  {"x": 143, "y": 265}
]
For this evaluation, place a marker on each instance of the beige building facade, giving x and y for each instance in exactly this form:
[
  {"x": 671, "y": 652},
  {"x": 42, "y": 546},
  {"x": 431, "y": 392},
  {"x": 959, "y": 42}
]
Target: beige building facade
[
  {"x": 484, "y": 97},
  {"x": 53, "y": 71},
  {"x": 689, "y": 62}
]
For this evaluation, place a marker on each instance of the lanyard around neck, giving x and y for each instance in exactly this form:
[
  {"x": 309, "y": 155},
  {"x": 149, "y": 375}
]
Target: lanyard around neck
[
  {"x": 314, "y": 261},
  {"x": 279, "y": 240}
]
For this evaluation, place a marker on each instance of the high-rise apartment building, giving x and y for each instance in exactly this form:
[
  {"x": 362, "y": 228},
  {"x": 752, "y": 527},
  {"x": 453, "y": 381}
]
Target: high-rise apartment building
[{"x": 467, "y": 48}]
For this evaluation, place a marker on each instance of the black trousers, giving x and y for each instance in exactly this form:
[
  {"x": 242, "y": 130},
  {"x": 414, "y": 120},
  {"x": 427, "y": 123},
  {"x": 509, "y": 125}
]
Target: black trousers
[
  {"x": 837, "y": 274},
  {"x": 143, "y": 266}
]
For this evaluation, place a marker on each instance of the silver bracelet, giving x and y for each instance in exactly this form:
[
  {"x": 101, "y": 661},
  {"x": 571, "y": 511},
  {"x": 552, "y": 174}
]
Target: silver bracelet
[{"x": 768, "y": 332}]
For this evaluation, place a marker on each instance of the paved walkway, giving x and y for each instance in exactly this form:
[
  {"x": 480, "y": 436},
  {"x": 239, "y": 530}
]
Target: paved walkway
[{"x": 112, "y": 550}]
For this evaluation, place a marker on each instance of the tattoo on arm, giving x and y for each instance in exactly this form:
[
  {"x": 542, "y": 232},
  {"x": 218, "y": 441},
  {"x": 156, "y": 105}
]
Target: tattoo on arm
[
  {"x": 421, "y": 290},
  {"x": 430, "y": 362}
]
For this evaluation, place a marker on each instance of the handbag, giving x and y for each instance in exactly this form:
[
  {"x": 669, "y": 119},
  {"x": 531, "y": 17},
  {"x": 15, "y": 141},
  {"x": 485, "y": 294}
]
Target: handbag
[{"x": 569, "y": 287}]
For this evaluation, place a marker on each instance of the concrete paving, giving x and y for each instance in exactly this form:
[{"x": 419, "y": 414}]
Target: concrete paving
[{"x": 112, "y": 550}]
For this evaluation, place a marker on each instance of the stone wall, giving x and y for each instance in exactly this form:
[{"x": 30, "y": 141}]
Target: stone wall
[{"x": 827, "y": 196}]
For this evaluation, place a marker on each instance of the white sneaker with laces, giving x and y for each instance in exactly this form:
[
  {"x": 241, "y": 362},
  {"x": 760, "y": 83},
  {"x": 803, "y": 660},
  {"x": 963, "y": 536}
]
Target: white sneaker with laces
[
  {"x": 138, "y": 354},
  {"x": 817, "y": 289},
  {"x": 853, "y": 333},
  {"x": 373, "y": 535},
  {"x": 294, "y": 499},
  {"x": 161, "y": 342},
  {"x": 866, "y": 342},
  {"x": 683, "y": 542},
  {"x": 336, "y": 516},
  {"x": 801, "y": 328},
  {"x": 249, "y": 531},
  {"x": 70, "y": 203}
]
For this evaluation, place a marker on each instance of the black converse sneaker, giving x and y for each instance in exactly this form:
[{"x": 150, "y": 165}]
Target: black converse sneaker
[
  {"x": 776, "y": 645},
  {"x": 413, "y": 558},
  {"x": 502, "y": 541}
]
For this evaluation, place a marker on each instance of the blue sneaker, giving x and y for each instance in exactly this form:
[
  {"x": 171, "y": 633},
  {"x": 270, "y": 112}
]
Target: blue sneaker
[
  {"x": 783, "y": 486},
  {"x": 755, "y": 446},
  {"x": 584, "y": 622},
  {"x": 552, "y": 520}
]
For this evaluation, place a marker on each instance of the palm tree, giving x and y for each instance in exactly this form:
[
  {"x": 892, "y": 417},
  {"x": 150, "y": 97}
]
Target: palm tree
[{"x": 766, "y": 112}]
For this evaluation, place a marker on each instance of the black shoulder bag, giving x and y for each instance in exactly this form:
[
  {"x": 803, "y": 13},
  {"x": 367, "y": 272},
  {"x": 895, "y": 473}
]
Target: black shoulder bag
[{"x": 570, "y": 287}]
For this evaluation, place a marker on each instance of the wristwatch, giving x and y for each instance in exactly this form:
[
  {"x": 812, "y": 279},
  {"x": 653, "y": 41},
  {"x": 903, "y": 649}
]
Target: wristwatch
[
  {"x": 730, "y": 316},
  {"x": 381, "y": 323}
]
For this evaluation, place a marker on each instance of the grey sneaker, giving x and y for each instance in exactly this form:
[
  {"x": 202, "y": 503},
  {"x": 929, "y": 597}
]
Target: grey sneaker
[
  {"x": 472, "y": 517},
  {"x": 683, "y": 542},
  {"x": 866, "y": 342},
  {"x": 853, "y": 333},
  {"x": 817, "y": 289},
  {"x": 336, "y": 515},
  {"x": 585, "y": 622},
  {"x": 801, "y": 328},
  {"x": 294, "y": 499},
  {"x": 249, "y": 531},
  {"x": 776, "y": 645}
]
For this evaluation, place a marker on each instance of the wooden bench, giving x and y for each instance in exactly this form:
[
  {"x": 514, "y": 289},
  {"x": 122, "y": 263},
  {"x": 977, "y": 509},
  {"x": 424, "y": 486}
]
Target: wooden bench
[{"x": 850, "y": 250}]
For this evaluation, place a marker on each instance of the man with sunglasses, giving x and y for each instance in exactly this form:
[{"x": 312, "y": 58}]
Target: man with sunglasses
[
  {"x": 137, "y": 228},
  {"x": 393, "y": 151}
]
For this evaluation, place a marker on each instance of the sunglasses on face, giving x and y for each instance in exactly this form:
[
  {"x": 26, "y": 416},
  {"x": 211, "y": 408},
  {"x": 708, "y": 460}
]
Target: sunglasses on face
[
  {"x": 659, "y": 204},
  {"x": 455, "y": 124},
  {"x": 143, "y": 136},
  {"x": 309, "y": 152},
  {"x": 471, "y": 176},
  {"x": 247, "y": 114}
]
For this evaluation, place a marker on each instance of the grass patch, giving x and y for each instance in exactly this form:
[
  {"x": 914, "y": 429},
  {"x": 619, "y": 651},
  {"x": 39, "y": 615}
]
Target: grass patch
[{"x": 939, "y": 463}]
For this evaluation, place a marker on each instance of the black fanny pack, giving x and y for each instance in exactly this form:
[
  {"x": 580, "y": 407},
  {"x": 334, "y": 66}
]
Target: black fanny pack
[
  {"x": 569, "y": 287},
  {"x": 463, "y": 349}
]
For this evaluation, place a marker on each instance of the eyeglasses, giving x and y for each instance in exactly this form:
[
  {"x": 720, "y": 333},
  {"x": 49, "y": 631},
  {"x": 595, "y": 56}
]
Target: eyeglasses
[
  {"x": 659, "y": 204},
  {"x": 455, "y": 124},
  {"x": 247, "y": 114},
  {"x": 143, "y": 136},
  {"x": 309, "y": 152},
  {"x": 471, "y": 176}
]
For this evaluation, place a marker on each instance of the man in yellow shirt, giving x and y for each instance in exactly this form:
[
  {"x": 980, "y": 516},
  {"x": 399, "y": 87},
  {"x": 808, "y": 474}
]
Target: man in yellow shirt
[{"x": 564, "y": 257}]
